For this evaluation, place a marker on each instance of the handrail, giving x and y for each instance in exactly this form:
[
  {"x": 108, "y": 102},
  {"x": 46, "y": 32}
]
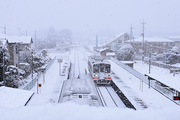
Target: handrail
[{"x": 32, "y": 83}]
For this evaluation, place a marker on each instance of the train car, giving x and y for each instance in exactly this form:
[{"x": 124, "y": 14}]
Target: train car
[
  {"x": 100, "y": 70},
  {"x": 79, "y": 91}
]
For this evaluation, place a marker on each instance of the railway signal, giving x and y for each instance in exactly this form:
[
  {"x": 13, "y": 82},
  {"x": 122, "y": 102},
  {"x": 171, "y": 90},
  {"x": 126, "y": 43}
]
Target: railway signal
[{"x": 176, "y": 97}]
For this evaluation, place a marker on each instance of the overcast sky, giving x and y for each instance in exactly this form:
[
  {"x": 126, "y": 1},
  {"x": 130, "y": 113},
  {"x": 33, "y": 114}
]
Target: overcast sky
[{"x": 86, "y": 18}]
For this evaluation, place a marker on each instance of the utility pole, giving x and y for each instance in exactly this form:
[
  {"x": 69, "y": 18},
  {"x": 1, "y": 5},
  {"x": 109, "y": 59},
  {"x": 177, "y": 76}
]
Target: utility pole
[
  {"x": 26, "y": 33},
  {"x": 131, "y": 34},
  {"x": 96, "y": 41},
  {"x": 4, "y": 29},
  {"x": 143, "y": 23},
  {"x": 35, "y": 34},
  {"x": 19, "y": 31},
  {"x": 3, "y": 68},
  {"x": 32, "y": 64}
]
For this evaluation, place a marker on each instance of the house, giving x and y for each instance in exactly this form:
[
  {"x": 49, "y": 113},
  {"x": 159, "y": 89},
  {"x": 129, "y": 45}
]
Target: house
[
  {"x": 153, "y": 45},
  {"x": 107, "y": 52},
  {"x": 118, "y": 41},
  {"x": 19, "y": 48}
]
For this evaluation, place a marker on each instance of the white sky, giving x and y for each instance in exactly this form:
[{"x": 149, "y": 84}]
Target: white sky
[{"x": 87, "y": 18}]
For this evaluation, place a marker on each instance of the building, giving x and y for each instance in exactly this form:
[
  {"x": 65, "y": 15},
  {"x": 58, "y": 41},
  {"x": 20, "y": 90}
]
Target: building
[
  {"x": 19, "y": 48},
  {"x": 153, "y": 45},
  {"x": 118, "y": 41},
  {"x": 107, "y": 52}
]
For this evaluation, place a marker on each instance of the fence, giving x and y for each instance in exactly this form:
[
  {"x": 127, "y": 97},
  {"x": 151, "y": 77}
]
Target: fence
[
  {"x": 155, "y": 84},
  {"x": 162, "y": 65},
  {"x": 31, "y": 84}
]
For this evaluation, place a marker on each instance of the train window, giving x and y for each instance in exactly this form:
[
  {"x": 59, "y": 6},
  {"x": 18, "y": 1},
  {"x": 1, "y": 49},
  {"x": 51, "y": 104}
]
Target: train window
[
  {"x": 107, "y": 68},
  {"x": 96, "y": 68},
  {"x": 101, "y": 67}
]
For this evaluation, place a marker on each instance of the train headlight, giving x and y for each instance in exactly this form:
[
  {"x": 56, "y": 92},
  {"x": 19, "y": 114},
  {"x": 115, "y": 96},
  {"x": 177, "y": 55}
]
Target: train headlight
[
  {"x": 96, "y": 75},
  {"x": 107, "y": 75}
]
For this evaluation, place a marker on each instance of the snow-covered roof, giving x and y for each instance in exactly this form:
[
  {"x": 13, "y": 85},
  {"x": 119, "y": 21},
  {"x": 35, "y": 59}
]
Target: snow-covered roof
[
  {"x": 13, "y": 98},
  {"x": 110, "y": 54},
  {"x": 116, "y": 37},
  {"x": 153, "y": 40},
  {"x": 19, "y": 39},
  {"x": 2, "y": 41}
]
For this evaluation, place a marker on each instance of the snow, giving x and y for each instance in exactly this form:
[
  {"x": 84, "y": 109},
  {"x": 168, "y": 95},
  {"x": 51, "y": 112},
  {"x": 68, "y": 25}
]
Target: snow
[
  {"x": 110, "y": 54},
  {"x": 13, "y": 98},
  {"x": 19, "y": 39},
  {"x": 162, "y": 75},
  {"x": 44, "y": 106},
  {"x": 71, "y": 111}
]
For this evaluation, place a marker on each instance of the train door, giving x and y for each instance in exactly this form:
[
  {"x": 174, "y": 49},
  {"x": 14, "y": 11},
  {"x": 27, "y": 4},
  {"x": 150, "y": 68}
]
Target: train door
[{"x": 101, "y": 71}]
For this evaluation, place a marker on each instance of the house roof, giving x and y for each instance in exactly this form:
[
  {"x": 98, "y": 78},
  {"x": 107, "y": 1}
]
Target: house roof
[
  {"x": 153, "y": 40},
  {"x": 19, "y": 39},
  {"x": 3, "y": 42},
  {"x": 116, "y": 37},
  {"x": 110, "y": 54}
]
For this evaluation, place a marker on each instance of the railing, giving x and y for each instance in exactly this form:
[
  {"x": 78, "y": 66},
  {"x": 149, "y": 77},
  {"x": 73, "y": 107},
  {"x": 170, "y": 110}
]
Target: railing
[
  {"x": 31, "y": 84},
  {"x": 132, "y": 71},
  {"x": 153, "y": 83}
]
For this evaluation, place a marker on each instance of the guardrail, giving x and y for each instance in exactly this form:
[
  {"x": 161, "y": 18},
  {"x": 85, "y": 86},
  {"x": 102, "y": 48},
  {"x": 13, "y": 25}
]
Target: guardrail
[
  {"x": 165, "y": 90},
  {"x": 32, "y": 83}
]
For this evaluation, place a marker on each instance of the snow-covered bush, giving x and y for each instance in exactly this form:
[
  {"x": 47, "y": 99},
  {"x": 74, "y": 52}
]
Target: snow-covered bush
[
  {"x": 175, "y": 50},
  {"x": 13, "y": 76},
  {"x": 174, "y": 58},
  {"x": 126, "y": 52}
]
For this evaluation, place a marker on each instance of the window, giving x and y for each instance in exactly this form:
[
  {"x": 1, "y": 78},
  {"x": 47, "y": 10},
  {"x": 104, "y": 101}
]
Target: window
[
  {"x": 96, "y": 68},
  {"x": 101, "y": 67},
  {"x": 107, "y": 68}
]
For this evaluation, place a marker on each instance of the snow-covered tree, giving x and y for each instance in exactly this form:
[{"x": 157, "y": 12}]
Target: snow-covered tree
[
  {"x": 175, "y": 50},
  {"x": 4, "y": 56},
  {"x": 126, "y": 52},
  {"x": 174, "y": 56}
]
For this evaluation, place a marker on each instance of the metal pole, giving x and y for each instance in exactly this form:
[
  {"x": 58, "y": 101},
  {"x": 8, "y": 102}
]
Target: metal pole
[
  {"x": 32, "y": 65},
  {"x": 150, "y": 62},
  {"x": 3, "y": 68},
  {"x": 37, "y": 82},
  {"x": 59, "y": 69},
  {"x": 43, "y": 77}
]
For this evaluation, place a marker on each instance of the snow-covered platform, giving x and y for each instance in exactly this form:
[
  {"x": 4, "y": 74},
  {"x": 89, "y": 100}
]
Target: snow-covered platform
[{"x": 13, "y": 98}]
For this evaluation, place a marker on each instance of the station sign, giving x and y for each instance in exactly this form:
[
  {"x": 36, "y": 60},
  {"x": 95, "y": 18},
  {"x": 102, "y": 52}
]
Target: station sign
[{"x": 60, "y": 60}]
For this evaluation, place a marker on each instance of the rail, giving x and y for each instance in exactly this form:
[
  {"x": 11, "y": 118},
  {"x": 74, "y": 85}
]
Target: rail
[
  {"x": 121, "y": 95},
  {"x": 32, "y": 83}
]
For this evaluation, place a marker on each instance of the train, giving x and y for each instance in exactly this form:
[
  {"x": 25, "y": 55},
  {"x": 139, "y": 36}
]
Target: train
[
  {"x": 79, "y": 91},
  {"x": 100, "y": 70}
]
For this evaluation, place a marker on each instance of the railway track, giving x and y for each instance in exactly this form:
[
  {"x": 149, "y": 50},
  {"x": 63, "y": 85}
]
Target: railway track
[{"x": 108, "y": 97}]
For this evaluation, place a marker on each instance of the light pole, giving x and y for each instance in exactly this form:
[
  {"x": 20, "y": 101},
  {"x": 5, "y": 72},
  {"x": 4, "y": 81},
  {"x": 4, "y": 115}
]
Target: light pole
[{"x": 150, "y": 61}]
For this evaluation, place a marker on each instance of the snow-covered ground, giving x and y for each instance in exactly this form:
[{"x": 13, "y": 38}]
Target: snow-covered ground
[
  {"x": 44, "y": 106},
  {"x": 161, "y": 74}
]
